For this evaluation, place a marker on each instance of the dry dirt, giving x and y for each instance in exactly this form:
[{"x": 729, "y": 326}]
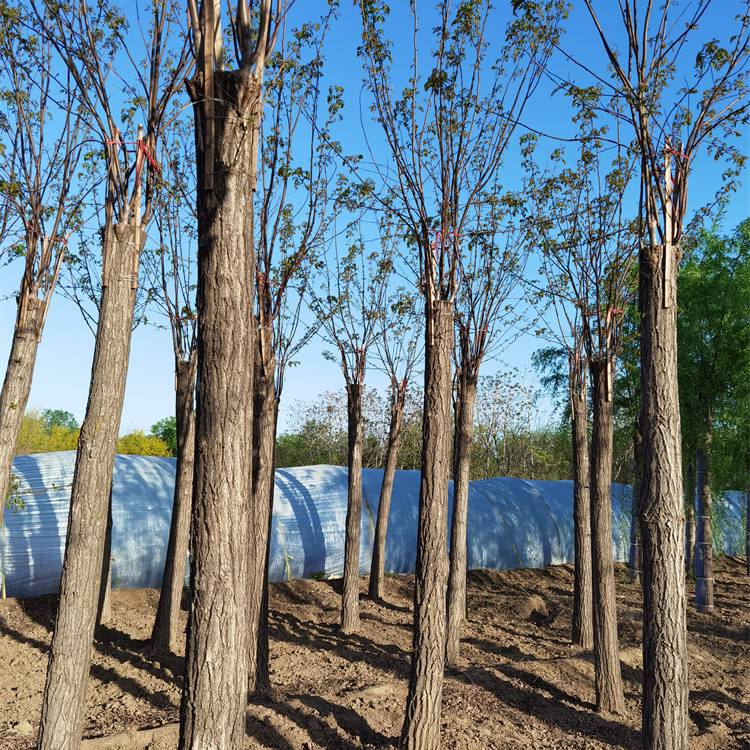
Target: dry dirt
[{"x": 522, "y": 684}]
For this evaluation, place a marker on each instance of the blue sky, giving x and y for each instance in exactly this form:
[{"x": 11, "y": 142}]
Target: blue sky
[{"x": 62, "y": 373}]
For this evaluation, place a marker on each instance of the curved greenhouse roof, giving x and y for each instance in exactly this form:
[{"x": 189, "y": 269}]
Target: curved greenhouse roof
[{"x": 513, "y": 523}]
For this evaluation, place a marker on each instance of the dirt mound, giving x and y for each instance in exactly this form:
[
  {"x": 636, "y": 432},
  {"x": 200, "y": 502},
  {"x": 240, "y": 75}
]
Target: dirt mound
[{"x": 521, "y": 685}]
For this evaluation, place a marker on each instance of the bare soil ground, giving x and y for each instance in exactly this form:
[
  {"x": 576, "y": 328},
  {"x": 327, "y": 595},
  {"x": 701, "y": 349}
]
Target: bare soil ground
[{"x": 522, "y": 684}]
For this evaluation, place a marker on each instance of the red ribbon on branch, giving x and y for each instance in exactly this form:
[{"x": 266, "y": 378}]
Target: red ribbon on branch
[
  {"x": 440, "y": 240},
  {"x": 141, "y": 148},
  {"x": 670, "y": 150}
]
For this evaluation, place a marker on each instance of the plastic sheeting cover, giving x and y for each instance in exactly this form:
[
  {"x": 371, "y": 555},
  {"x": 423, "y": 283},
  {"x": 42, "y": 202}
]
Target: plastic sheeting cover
[{"x": 512, "y": 523}]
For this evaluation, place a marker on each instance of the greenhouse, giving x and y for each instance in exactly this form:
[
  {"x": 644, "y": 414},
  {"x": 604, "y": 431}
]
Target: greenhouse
[{"x": 513, "y": 523}]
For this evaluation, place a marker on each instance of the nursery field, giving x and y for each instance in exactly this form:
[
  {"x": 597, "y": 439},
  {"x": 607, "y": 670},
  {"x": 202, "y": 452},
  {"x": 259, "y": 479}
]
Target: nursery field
[{"x": 521, "y": 685}]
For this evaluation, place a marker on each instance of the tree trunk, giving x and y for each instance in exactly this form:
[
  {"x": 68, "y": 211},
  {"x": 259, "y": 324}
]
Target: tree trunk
[
  {"x": 464, "y": 429},
  {"x": 583, "y": 626},
  {"x": 262, "y": 661},
  {"x": 377, "y": 568},
  {"x": 17, "y": 384},
  {"x": 747, "y": 528},
  {"x": 166, "y": 631},
  {"x": 609, "y": 694},
  {"x": 665, "y": 670},
  {"x": 70, "y": 655},
  {"x": 421, "y": 729},
  {"x": 350, "y": 598},
  {"x": 690, "y": 535},
  {"x": 215, "y": 685},
  {"x": 264, "y": 439},
  {"x": 104, "y": 610},
  {"x": 704, "y": 580},
  {"x": 634, "y": 556}
]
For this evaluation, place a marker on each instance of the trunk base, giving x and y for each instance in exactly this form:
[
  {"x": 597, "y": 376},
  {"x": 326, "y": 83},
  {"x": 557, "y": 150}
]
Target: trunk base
[{"x": 704, "y": 594}]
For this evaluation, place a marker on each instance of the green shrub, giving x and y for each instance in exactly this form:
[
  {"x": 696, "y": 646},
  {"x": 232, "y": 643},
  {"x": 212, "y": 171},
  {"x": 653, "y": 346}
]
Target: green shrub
[{"x": 139, "y": 444}]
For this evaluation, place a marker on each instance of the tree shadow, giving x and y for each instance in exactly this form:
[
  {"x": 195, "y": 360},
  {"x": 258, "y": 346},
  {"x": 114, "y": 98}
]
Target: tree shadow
[
  {"x": 537, "y": 637},
  {"x": 113, "y": 643},
  {"x": 551, "y": 709},
  {"x": 385, "y": 604},
  {"x": 711, "y": 628},
  {"x": 512, "y": 653},
  {"x": 105, "y": 675},
  {"x": 140, "y": 653},
  {"x": 265, "y": 734},
  {"x": 720, "y": 699},
  {"x": 319, "y": 733},
  {"x": 310, "y": 550},
  {"x": 348, "y": 719},
  {"x": 352, "y": 647},
  {"x": 374, "y": 618},
  {"x": 540, "y": 698}
]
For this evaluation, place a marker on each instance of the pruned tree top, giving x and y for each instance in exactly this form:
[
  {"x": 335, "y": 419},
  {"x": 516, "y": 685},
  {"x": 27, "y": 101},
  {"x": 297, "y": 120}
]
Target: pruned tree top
[
  {"x": 295, "y": 185},
  {"x": 674, "y": 113},
  {"x": 41, "y": 141},
  {"x": 170, "y": 267},
  {"x": 94, "y": 43},
  {"x": 587, "y": 243},
  {"x": 349, "y": 298},
  {"x": 449, "y": 126}
]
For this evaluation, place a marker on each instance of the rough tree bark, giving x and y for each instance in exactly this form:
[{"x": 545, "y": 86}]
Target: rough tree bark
[
  {"x": 665, "y": 688},
  {"x": 689, "y": 535},
  {"x": 704, "y": 580},
  {"x": 689, "y": 510},
  {"x": 377, "y": 568},
  {"x": 464, "y": 430},
  {"x": 166, "y": 631},
  {"x": 17, "y": 384},
  {"x": 70, "y": 656},
  {"x": 634, "y": 555},
  {"x": 350, "y": 597},
  {"x": 104, "y": 608},
  {"x": 583, "y": 625},
  {"x": 609, "y": 693},
  {"x": 421, "y": 729},
  {"x": 215, "y": 685},
  {"x": 264, "y": 443},
  {"x": 262, "y": 658},
  {"x": 747, "y": 528}
]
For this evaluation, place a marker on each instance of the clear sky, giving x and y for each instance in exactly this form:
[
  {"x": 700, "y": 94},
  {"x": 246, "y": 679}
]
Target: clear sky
[{"x": 63, "y": 366}]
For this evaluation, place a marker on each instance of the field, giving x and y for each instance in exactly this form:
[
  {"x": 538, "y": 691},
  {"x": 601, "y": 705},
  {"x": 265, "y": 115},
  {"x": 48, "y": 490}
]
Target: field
[{"x": 521, "y": 686}]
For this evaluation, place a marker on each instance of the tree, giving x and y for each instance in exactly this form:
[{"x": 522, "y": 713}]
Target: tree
[
  {"x": 172, "y": 269},
  {"x": 508, "y": 439},
  {"x": 350, "y": 306},
  {"x": 587, "y": 250},
  {"x": 706, "y": 109},
  {"x": 570, "y": 349},
  {"x": 713, "y": 335},
  {"x": 446, "y": 134},
  {"x": 36, "y": 437},
  {"x": 397, "y": 352},
  {"x": 137, "y": 443},
  {"x": 40, "y": 150},
  {"x": 228, "y": 109},
  {"x": 166, "y": 430},
  {"x": 292, "y": 203},
  {"x": 58, "y": 418},
  {"x": 487, "y": 322},
  {"x": 627, "y": 408},
  {"x": 89, "y": 40}
]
